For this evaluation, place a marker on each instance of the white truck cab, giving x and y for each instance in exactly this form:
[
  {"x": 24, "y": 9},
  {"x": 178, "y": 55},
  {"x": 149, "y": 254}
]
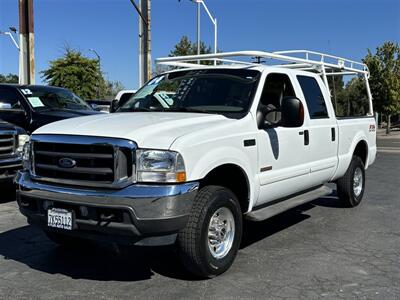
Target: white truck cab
[{"x": 195, "y": 151}]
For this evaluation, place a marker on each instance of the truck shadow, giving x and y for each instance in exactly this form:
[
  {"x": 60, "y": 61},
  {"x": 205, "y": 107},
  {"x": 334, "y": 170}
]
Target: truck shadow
[
  {"x": 256, "y": 231},
  {"x": 107, "y": 262},
  {"x": 7, "y": 192}
]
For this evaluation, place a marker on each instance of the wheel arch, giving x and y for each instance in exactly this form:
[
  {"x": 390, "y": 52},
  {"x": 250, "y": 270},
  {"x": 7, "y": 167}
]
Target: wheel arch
[
  {"x": 233, "y": 177},
  {"x": 361, "y": 150}
]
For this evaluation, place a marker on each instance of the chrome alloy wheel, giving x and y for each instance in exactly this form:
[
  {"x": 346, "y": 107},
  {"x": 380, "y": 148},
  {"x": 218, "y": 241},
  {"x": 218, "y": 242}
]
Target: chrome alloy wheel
[
  {"x": 358, "y": 182},
  {"x": 221, "y": 232}
]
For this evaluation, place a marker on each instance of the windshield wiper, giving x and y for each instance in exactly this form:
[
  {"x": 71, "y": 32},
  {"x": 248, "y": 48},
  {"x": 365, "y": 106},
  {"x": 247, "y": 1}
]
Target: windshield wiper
[
  {"x": 190, "y": 109},
  {"x": 138, "y": 109}
]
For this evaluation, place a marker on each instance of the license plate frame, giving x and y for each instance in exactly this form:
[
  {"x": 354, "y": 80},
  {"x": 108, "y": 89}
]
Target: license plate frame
[{"x": 60, "y": 218}]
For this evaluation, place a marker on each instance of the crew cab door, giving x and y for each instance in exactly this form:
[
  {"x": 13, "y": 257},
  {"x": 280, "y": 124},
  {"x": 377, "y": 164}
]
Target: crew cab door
[
  {"x": 284, "y": 153},
  {"x": 322, "y": 127}
]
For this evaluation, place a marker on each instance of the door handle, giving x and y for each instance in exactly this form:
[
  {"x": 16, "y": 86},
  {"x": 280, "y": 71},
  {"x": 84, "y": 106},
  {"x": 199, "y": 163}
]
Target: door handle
[
  {"x": 333, "y": 132},
  {"x": 306, "y": 135}
]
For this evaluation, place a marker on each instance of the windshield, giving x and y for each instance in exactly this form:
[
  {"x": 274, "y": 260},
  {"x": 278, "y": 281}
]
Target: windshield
[
  {"x": 53, "y": 98},
  {"x": 224, "y": 91}
]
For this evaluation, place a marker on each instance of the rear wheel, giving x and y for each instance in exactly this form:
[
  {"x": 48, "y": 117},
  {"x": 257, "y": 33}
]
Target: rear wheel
[
  {"x": 351, "y": 186},
  {"x": 209, "y": 243}
]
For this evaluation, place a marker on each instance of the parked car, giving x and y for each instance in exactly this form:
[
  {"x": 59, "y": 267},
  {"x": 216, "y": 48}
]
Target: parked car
[
  {"x": 12, "y": 141},
  {"x": 121, "y": 98},
  {"x": 32, "y": 106},
  {"x": 230, "y": 142}
]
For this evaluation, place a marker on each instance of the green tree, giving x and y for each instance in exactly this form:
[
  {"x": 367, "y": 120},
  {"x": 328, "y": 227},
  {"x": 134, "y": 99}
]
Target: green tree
[
  {"x": 78, "y": 73},
  {"x": 384, "y": 67},
  {"x": 183, "y": 48},
  {"x": 186, "y": 47},
  {"x": 112, "y": 89},
  {"x": 10, "y": 78}
]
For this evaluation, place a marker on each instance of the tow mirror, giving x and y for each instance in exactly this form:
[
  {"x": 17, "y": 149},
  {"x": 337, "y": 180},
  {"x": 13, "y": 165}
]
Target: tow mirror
[{"x": 292, "y": 112}]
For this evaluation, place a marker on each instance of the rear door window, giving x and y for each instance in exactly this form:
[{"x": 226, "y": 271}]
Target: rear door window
[{"x": 313, "y": 96}]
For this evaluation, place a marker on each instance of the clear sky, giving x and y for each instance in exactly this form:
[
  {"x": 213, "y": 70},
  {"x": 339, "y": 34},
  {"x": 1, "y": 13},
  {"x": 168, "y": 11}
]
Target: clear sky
[{"x": 342, "y": 27}]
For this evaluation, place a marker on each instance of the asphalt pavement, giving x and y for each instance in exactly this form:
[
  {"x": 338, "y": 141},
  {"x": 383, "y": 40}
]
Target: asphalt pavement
[{"x": 316, "y": 251}]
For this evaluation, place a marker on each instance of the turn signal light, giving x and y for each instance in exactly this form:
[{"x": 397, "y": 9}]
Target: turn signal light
[{"x": 180, "y": 176}]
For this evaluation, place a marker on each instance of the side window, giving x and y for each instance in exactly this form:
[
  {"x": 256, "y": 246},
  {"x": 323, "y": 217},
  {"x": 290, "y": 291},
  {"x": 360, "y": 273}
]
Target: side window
[
  {"x": 9, "y": 100},
  {"x": 314, "y": 97},
  {"x": 277, "y": 86}
]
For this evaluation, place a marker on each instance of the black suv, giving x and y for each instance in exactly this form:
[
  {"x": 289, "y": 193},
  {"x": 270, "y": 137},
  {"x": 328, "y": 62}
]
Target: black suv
[
  {"x": 32, "y": 106},
  {"x": 12, "y": 140}
]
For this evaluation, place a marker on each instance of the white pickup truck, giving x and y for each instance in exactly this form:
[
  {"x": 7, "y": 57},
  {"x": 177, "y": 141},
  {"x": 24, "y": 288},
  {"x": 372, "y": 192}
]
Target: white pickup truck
[{"x": 236, "y": 140}]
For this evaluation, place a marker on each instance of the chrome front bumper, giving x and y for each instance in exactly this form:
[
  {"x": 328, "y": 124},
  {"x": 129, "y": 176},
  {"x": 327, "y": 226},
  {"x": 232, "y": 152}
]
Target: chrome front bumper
[{"x": 143, "y": 210}]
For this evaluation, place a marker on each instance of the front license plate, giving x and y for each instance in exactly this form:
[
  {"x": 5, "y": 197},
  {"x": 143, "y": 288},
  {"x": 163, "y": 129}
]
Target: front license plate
[{"x": 59, "y": 218}]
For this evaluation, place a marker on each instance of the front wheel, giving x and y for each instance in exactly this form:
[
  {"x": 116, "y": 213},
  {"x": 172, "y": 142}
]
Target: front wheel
[
  {"x": 351, "y": 186},
  {"x": 209, "y": 243}
]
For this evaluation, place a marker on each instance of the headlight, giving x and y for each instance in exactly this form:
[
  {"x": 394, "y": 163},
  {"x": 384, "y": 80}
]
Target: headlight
[
  {"x": 22, "y": 140},
  {"x": 26, "y": 156},
  {"x": 160, "y": 166}
]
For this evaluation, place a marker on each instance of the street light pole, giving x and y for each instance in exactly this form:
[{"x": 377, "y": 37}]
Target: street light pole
[
  {"x": 198, "y": 29},
  {"x": 98, "y": 56},
  {"x": 12, "y": 38},
  {"x": 99, "y": 61},
  {"x": 213, "y": 20},
  {"x": 15, "y": 44}
]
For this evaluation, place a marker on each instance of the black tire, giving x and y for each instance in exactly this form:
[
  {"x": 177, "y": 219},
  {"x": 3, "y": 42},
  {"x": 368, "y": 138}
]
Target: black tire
[
  {"x": 345, "y": 184},
  {"x": 193, "y": 242},
  {"x": 65, "y": 240}
]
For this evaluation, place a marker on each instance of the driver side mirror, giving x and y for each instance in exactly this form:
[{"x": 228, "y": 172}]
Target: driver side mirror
[{"x": 292, "y": 112}]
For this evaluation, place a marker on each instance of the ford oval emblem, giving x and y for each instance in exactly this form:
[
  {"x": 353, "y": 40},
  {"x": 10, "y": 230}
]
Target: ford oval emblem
[{"x": 67, "y": 163}]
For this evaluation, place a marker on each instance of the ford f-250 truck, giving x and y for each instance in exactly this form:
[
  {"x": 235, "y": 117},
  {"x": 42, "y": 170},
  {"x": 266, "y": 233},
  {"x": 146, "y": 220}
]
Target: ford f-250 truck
[
  {"x": 236, "y": 141},
  {"x": 12, "y": 141}
]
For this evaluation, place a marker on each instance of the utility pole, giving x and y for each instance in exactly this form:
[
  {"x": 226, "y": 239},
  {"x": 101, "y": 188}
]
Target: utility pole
[
  {"x": 144, "y": 11},
  {"x": 26, "y": 43},
  {"x": 198, "y": 28}
]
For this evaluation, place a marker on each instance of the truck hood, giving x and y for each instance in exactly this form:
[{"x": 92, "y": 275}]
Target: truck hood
[
  {"x": 148, "y": 129},
  {"x": 41, "y": 118},
  {"x": 61, "y": 114},
  {"x": 7, "y": 126}
]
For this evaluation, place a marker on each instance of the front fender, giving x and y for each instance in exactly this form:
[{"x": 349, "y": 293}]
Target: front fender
[{"x": 214, "y": 158}]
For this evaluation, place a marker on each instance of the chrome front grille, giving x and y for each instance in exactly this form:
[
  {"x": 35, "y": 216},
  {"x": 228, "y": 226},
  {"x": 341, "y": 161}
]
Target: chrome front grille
[
  {"x": 7, "y": 144},
  {"x": 83, "y": 161}
]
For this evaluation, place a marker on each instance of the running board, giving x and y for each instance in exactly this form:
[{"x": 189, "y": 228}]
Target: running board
[{"x": 277, "y": 208}]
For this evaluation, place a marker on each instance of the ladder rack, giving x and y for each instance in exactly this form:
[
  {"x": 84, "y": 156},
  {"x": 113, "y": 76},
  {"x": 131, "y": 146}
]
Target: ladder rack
[{"x": 325, "y": 64}]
